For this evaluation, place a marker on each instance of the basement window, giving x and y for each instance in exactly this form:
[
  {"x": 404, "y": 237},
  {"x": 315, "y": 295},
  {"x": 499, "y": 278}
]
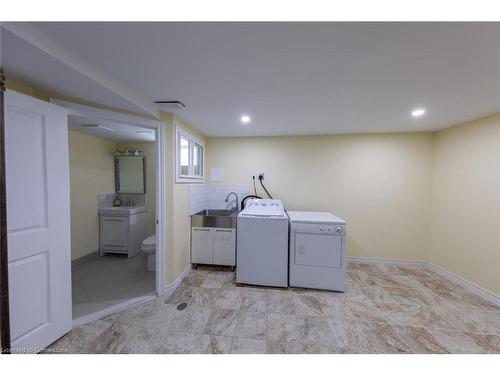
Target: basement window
[{"x": 189, "y": 157}]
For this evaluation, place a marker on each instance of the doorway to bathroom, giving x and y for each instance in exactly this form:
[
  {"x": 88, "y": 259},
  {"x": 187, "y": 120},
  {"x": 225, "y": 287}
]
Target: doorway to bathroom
[{"x": 115, "y": 195}]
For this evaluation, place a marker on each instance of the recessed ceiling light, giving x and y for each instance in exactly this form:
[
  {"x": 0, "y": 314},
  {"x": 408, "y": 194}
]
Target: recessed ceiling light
[
  {"x": 245, "y": 119},
  {"x": 418, "y": 112}
]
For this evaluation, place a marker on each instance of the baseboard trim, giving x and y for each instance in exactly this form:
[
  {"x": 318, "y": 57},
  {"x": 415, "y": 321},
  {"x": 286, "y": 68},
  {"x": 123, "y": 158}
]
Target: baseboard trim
[
  {"x": 84, "y": 258},
  {"x": 387, "y": 262},
  {"x": 112, "y": 309},
  {"x": 459, "y": 280},
  {"x": 468, "y": 285},
  {"x": 169, "y": 289}
]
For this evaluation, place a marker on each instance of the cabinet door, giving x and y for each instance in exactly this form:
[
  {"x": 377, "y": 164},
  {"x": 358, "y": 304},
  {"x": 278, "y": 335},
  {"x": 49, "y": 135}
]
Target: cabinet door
[
  {"x": 114, "y": 231},
  {"x": 202, "y": 244},
  {"x": 225, "y": 247}
]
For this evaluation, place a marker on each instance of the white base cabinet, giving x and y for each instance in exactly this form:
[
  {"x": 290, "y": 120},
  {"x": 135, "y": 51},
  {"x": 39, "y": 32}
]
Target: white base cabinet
[
  {"x": 213, "y": 246},
  {"x": 122, "y": 234}
]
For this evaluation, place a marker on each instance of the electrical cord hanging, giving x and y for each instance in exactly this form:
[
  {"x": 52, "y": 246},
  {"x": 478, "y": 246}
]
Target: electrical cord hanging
[
  {"x": 269, "y": 195},
  {"x": 254, "y": 188}
]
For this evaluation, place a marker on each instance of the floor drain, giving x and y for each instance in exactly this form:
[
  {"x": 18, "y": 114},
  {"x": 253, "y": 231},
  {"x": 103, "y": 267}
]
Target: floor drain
[{"x": 181, "y": 306}]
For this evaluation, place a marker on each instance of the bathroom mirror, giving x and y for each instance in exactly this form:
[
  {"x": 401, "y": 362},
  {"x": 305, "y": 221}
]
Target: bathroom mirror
[{"x": 130, "y": 174}]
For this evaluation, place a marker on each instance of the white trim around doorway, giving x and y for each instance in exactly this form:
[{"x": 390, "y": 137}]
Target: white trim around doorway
[{"x": 101, "y": 114}]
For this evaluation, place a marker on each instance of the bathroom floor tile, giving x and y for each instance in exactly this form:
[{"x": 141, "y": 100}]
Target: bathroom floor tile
[{"x": 102, "y": 282}]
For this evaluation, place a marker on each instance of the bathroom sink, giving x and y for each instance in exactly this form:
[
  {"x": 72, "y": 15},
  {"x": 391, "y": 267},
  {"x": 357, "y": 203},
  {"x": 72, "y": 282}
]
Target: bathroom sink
[
  {"x": 214, "y": 219},
  {"x": 122, "y": 210}
]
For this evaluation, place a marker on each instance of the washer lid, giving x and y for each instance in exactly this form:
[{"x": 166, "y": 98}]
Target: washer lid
[{"x": 314, "y": 217}]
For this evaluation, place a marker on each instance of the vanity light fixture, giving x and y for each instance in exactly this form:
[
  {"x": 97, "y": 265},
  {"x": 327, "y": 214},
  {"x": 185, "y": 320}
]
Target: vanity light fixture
[{"x": 128, "y": 152}]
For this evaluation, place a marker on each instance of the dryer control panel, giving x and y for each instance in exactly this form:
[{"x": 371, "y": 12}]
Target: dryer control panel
[
  {"x": 263, "y": 207},
  {"x": 333, "y": 229}
]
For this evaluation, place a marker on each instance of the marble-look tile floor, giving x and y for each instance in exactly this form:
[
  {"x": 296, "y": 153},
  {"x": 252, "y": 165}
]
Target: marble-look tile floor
[{"x": 386, "y": 309}]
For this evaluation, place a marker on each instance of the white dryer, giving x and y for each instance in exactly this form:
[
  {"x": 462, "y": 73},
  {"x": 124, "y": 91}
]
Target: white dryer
[
  {"x": 262, "y": 243},
  {"x": 317, "y": 250}
]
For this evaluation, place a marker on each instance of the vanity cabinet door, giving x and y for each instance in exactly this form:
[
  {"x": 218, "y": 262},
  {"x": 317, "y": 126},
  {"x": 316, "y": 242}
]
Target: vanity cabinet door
[
  {"x": 225, "y": 247},
  {"x": 114, "y": 233},
  {"x": 202, "y": 245}
]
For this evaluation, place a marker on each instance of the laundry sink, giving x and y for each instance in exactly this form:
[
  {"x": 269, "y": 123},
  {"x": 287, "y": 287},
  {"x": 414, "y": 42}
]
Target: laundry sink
[
  {"x": 121, "y": 210},
  {"x": 217, "y": 213},
  {"x": 214, "y": 219}
]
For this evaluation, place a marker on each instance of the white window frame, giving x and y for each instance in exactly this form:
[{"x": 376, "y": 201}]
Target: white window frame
[{"x": 190, "y": 177}]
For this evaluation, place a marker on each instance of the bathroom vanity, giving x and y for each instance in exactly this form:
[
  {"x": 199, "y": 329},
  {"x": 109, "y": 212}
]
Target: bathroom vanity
[{"x": 122, "y": 230}]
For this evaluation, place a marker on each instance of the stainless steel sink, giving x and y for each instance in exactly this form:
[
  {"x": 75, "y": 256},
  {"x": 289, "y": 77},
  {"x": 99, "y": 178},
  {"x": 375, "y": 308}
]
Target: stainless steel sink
[
  {"x": 214, "y": 219},
  {"x": 216, "y": 213}
]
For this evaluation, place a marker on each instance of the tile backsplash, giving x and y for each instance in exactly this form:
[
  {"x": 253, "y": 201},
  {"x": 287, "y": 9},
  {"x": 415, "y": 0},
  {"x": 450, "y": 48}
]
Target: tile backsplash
[{"x": 213, "y": 196}]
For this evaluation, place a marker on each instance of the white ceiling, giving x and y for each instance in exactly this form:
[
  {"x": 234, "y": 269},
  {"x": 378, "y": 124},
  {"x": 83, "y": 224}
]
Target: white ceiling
[
  {"x": 112, "y": 130},
  {"x": 291, "y": 78},
  {"x": 25, "y": 63}
]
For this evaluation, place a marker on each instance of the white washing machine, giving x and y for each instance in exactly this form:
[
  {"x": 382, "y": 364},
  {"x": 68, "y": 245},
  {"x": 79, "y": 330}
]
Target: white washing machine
[
  {"x": 317, "y": 250},
  {"x": 262, "y": 244}
]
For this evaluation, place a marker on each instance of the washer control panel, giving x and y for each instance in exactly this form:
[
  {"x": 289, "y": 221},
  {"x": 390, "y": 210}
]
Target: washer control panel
[{"x": 263, "y": 207}]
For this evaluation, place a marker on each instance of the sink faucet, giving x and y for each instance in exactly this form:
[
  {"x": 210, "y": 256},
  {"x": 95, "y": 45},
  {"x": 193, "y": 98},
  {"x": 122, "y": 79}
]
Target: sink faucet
[
  {"x": 127, "y": 202},
  {"x": 236, "y": 200}
]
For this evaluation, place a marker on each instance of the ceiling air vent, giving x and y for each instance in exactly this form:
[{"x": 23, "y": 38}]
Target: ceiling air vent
[{"x": 171, "y": 104}]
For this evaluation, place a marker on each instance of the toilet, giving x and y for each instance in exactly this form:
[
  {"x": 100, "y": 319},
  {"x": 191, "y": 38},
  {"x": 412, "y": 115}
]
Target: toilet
[{"x": 149, "y": 247}]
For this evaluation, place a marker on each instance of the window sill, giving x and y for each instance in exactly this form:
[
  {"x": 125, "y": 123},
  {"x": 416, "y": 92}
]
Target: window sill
[{"x": 186, "y": 180}]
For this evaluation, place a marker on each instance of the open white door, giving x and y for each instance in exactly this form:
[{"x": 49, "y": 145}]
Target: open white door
[{"x": 38, "y": 221}]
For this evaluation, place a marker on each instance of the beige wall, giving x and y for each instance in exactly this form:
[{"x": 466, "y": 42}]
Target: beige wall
[
  {"x": 149, "y": 149},
  {"x": 465, "y": 222},
  {"x": 379, "y": 183},
  {"x": 91, "y": 165},
  {"x": 181, "y": 220},
  {"x": 405, "y": 196}
]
